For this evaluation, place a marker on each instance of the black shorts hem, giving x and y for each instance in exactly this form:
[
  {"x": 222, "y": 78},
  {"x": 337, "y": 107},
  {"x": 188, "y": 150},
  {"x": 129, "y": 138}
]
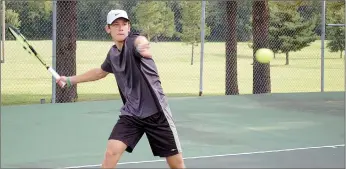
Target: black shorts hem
[{"x": 167, "y": 154}]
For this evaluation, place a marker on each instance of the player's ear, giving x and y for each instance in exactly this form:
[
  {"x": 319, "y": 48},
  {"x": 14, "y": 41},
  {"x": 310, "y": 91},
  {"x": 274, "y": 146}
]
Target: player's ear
[{"x": 107, "y": 29}]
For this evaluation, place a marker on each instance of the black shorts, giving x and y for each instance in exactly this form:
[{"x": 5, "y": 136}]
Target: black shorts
[{"x": 159, "y": 129}]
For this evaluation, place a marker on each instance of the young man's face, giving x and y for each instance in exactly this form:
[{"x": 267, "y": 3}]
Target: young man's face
[{"x": 119, "y": 29}]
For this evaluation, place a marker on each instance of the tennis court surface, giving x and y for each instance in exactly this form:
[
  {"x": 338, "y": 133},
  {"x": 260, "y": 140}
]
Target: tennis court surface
[{"x": 304, "y": 130}]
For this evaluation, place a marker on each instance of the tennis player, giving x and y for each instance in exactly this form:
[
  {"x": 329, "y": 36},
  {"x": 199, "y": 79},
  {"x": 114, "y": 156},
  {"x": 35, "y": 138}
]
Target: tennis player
[{"x": 145, "y": 108}]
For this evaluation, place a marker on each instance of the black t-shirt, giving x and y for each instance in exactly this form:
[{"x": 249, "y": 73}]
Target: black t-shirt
[{"x": 137, "y": 79}]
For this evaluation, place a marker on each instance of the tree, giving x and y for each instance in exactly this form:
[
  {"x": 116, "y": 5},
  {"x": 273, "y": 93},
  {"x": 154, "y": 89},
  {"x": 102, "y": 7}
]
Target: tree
[
  {"x": 310, "y": 10},
  {"x": 154, "y": 18},
  {"x": 216, "y": 20},
  {"x": 274, "y": 30},
  {"x": 66, "y": 47},
  {"x": 191, "y": 24},
  {"x": 231, "y": 48},
  {"x": 91, "y": 18},
  {"x": 336, "y": 35},
  {"x": 34, "y": 16},
  {"x": 289, "y": 31},
  {"x": 12, "y": 18},
  {"x": 261, "y": 72},
  {"x": 243, "y": 21}
]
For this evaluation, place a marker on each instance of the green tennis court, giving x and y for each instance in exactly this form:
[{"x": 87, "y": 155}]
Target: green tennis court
[{"x": 269, "y": 130}]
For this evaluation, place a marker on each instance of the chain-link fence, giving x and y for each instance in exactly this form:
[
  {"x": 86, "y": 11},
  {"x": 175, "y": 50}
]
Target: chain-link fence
[{"x": 71, "y": 36}]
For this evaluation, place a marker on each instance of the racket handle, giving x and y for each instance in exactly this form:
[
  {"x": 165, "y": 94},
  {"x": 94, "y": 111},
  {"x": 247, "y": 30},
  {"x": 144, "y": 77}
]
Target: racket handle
[{"x": 56, "y": 76}]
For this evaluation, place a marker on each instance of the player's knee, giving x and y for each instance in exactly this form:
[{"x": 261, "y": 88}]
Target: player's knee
[
  {"x": 111, "y": 159},
  {"x": 115, "y": 149},
  {"x": 112, "y": 156},
  {"x": 112, "y": 152}
]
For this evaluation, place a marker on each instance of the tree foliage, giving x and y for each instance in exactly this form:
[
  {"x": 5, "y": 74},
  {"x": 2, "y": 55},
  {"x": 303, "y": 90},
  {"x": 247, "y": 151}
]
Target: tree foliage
[
  {"x": 335, "y": 14},
  {"x": 191, "y": 24},
  {"x": 288, "y": 30},
  {"x": 154, "y": 18},
  {"x": 12, "y": 18},
  {"x": 34, "y": 16}
]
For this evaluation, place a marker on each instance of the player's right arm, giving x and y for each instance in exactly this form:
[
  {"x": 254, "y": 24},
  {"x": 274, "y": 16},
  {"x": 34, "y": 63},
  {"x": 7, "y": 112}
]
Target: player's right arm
[{"x": 91, "y": 75}]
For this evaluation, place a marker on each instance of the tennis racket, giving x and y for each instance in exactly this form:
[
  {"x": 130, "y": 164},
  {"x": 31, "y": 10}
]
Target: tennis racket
[{"x": 28, "y": 47}]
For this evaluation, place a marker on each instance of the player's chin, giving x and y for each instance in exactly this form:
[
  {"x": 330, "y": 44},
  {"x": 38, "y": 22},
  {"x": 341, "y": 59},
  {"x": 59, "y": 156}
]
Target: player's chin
[{"x": 120, "y": 37}]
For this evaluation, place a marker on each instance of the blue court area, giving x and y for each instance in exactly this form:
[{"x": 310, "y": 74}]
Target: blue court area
[{"x": 304, "y": 130}]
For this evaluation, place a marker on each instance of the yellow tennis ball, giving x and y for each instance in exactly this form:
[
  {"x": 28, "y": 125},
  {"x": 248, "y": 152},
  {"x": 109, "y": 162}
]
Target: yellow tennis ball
[{"x": 264, "y": 55}]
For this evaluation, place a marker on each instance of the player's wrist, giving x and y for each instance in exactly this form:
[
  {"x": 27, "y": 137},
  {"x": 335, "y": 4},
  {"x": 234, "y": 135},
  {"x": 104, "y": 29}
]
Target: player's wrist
[{"x": 70, "y": 81}]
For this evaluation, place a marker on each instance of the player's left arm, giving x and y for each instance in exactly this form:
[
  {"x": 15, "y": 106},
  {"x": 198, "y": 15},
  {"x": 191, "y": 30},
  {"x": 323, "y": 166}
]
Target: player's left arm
[{"x": 142, "y": 46}]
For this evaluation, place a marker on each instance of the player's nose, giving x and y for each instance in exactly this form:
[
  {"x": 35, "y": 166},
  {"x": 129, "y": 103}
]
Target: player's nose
[{"x": 121, "y": 28}]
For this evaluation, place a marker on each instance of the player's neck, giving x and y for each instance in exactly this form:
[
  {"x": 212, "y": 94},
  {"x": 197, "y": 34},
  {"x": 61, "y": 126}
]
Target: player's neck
[{"x": 119, "y": 45}]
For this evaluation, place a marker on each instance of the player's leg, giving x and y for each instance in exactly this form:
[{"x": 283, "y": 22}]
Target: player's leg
[
  {"x": 163, "y": 138},
  {"x": 115, "y": 149},
  {"x": 176, "y": 161},
  {"x": 125, "y": 135}
]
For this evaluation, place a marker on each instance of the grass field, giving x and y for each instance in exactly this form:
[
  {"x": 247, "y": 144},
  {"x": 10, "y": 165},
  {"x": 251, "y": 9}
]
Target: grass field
[{"x": 24, "y": 80}]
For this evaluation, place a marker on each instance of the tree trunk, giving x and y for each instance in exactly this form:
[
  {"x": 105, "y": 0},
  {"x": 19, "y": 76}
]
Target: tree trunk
[
  {"x": 192, "y": 54},
  {"x": 261, "y": 72},
  {"x": 287, "y": 59},
  {"x": 66, "y": 47},
  {"x": 231, "y": 48}
]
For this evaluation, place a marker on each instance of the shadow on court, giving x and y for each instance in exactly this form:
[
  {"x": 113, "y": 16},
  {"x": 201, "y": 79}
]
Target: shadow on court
[{"x": 276, "y": 130}]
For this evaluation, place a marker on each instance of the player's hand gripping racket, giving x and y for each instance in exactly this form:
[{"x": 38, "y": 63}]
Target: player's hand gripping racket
[{"x": 22, "y": 40}]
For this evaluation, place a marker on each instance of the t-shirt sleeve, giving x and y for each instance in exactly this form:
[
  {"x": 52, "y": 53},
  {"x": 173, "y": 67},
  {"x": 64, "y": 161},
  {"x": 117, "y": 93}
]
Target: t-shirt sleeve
[{"x": 106, "y": 65}]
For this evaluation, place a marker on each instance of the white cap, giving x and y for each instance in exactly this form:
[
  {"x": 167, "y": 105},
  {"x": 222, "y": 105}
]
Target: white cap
[{"x": 115, "y": 14}]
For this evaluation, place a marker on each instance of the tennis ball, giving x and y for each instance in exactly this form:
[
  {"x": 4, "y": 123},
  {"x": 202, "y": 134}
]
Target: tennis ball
[{"x": 264, "y": 55}]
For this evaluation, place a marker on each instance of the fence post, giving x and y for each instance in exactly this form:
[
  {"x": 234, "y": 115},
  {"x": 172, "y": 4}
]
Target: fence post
[
  {"x": 323, "y": 33},
  {"x": 202, "y": 49},
  {"x": 3, "y": 31},
  {"x": 54, "y": 51}
]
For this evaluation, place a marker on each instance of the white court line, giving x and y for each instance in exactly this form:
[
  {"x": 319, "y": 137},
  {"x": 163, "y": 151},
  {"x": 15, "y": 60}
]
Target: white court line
[{"x": 221, "y": 155}]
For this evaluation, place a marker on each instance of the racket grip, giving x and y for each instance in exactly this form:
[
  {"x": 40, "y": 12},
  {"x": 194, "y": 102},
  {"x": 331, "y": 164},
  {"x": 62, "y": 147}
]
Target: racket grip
[{"x": 56, "y": 76}]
